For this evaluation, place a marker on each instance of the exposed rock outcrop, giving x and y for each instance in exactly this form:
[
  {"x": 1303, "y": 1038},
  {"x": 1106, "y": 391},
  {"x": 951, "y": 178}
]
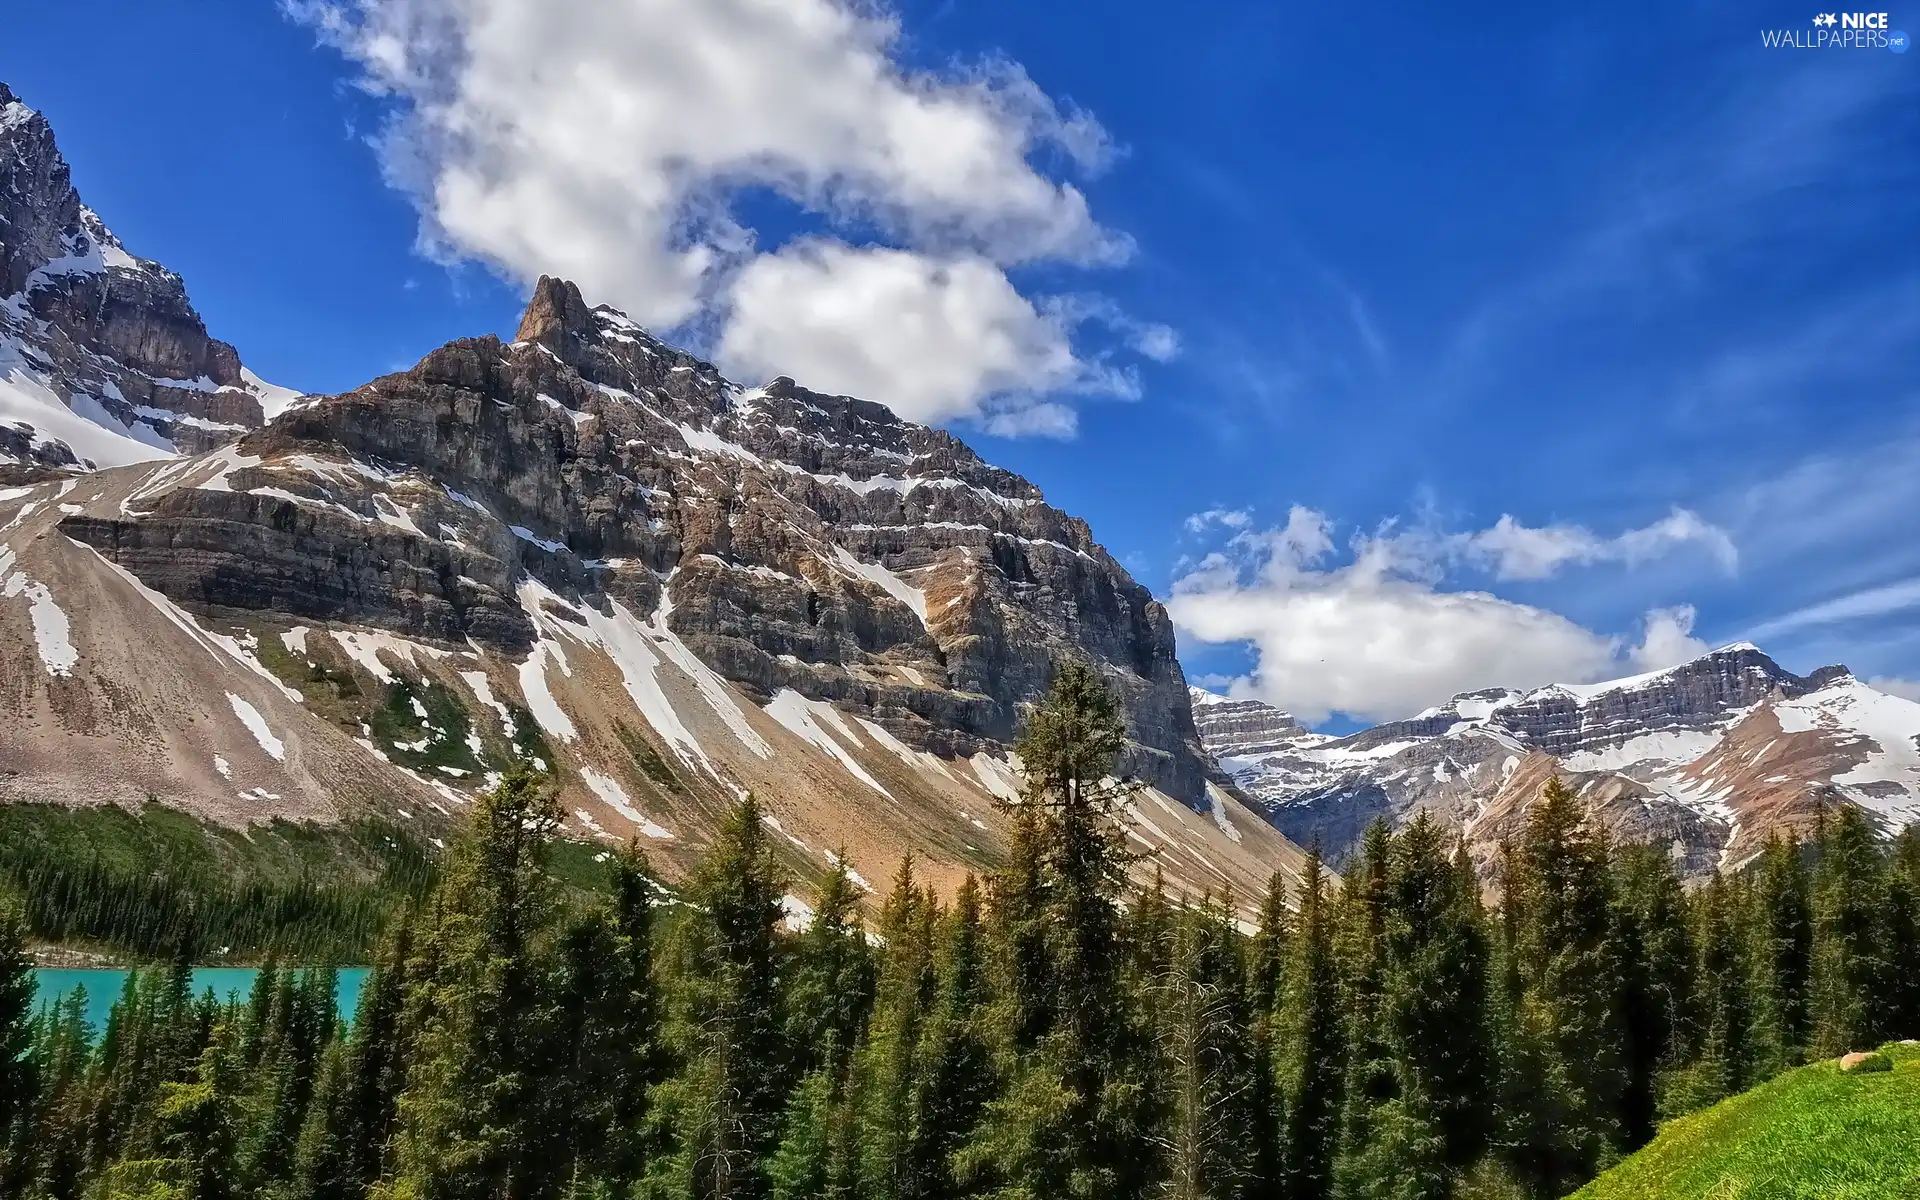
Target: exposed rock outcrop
[{"x": 103, "y": 359}]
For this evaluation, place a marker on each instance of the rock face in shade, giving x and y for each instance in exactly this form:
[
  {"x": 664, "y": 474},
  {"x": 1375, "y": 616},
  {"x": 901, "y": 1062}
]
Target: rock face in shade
[
  {"x": 103, "y": 359},
  {"x": 1707, "y": 758}
]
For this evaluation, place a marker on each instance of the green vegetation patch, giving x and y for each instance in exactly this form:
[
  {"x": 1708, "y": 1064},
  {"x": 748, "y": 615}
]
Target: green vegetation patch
[
  {"x": 149, "y": 883},
  {"x": 1811, "y": 1134},
  {"x": 648, "y": 758},
  {"x": 425, "y": 726},
  {"x": 529, "y": 744}
]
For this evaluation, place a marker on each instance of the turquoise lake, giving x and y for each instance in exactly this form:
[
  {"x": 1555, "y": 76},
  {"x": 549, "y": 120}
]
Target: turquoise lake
[{"x": 103, "y": 987}]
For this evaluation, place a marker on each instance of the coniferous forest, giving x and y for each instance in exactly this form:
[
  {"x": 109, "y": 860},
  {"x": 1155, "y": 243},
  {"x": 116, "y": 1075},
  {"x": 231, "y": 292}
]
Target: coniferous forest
[{"x": 1046, "y": 1033}]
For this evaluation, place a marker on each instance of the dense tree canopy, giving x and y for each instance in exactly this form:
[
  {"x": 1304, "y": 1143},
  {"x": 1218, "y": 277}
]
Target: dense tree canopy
[{"x": 1052, "y": 1031}]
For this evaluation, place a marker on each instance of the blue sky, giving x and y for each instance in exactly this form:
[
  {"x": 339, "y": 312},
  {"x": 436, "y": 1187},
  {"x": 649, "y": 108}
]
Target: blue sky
[{"x": 1505, "y": 346}]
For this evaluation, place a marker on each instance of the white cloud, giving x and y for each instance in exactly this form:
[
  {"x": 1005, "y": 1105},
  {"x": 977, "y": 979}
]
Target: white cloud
[
  {"x": 1515, "y": 551},
  {"x": 605, "y": 141},
  {"x": 1157, "y": 342},
  {"x": 1376, "y": 638},
  {"x": 1236, "y": 518},
  {"x": 1908, "y": 689},
  {"x": 938, "y": 339},
  {"x": 1667, "y": 638},
  {"x": 1861, "y": 605}
]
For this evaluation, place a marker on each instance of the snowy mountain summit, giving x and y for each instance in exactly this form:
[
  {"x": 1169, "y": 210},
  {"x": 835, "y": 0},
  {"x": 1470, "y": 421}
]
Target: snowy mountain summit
[
  {"x": 1709, "y": 757},
  {"x": 103, "y": 360}
]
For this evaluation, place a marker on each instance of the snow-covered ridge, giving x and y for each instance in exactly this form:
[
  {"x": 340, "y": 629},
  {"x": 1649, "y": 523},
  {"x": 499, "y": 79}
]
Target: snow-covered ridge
[
  {"x": 92, "y": 336},
  {"x": 1720, "y": 749}
]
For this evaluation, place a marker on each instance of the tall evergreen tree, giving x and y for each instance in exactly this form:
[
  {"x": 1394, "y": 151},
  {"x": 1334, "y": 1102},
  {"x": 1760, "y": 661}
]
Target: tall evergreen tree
[
  {"x": 344, "y": 1144},
  {"x": 1783, "y": 953},
  {"x": 1266, "y": 979},
  {"x": 1568, "y": 1030},
  {"x": 1850, "y": 970},
  {"x": 954, "y": 1078},
  {"x": 1656, "y": 982},
  {"x": 468, "y": 1116},
  {"x": 1902, "y": 938},
  {"x": 1313, "y": 1055},
  {"x": 1360, "y": 950},
  {"x": 1071, "y": 1121},
  {"x": 19, "y": 1074},
  {"x": 891, "y": 1165},
  {"x": 1204, "y": 1060},
  {"x": 719, "y": 1115},
  {"x": 830, "y": 980}
]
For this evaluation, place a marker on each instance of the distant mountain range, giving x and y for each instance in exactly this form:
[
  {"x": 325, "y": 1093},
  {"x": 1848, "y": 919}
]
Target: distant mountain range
[
  {"x": 582, "y": 545},
  {"x": 1710, "y": 758}
]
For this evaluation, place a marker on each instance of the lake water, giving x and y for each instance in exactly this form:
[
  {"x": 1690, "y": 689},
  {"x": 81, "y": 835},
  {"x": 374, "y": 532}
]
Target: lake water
[{"x": 103, "y": 987}]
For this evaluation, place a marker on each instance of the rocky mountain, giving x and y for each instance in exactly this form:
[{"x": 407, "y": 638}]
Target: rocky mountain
[
  {"x": 581, "y": 546},
  {"x": 103, "y": 360},
  {"x": 1708, "y": 758}
]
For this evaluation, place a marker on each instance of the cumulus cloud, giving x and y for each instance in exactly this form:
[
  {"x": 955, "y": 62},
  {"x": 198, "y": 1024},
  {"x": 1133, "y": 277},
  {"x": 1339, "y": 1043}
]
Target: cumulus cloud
[
  {"x": 1667, "y": 638},
  {"x": 1515, "y": 551},
  {"x": 1229, "y": 518},
  {"x": 606, "y": 141},
  {"x": 1377, "y": 638},
  {"x": 933, "y": 336}
]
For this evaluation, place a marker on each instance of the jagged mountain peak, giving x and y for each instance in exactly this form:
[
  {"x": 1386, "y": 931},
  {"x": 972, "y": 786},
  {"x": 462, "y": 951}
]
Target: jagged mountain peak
[
  {"x": 689, "y": 588},
  {"x": 103, "y": 359}
]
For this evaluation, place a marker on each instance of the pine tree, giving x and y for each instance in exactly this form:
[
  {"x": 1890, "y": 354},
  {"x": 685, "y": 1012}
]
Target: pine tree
[
  {"x": 1438, "y": 990},
  {"x": 817, "y": 1157},
  {"x": 343, "y": 1146},
  {"x": 1266, "y": 980},
  {"x": 890, "y": 1164},
  {"x": 197, "y": 1126},
  {"x": 1314, "y": 1054},
  {"x": 1071, "y": 1122},
  {"x": 954, "y": 1073},
  {"x": 1360, "y": 950},
  {"x": 1903, "y": 935},
  {"x": 1850, "y": 971},
  {"x": 831, "y": 979},
  {"x": 1725, "y": 1012},
  {"x": 50, "y": 1148},
  {"x": 1568, "y": 1030},
  {"x": 1783, "y": 954},
  {"x": 19, "y": 1068},
  {"x": 627, "y": 1041},
  {"x": 1204, "y": 1058},
  {"x": 468, "y": 1117},
  {"x": 719, "y": 1115},
  {"x": 1656, "y": 958}
]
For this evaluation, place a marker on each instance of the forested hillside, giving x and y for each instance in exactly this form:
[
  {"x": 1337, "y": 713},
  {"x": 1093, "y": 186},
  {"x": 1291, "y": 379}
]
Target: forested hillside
[{"x": 1050, "y": 1032}]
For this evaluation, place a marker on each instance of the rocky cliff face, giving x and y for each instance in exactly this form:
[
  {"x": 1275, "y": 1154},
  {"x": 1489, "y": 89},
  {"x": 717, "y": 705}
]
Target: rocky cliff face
[
  {"x": 1707, "y": 758},
  {"x": 804, "y": 542},
  {"x": 1243, "y": 728},
  {"x": 103, "y": 359},
  {"x": 586, "y": 546}
]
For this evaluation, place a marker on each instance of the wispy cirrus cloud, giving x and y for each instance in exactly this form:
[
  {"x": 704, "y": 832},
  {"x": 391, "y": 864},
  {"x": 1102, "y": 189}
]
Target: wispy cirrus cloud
[{"x": 1886, "y": 600}]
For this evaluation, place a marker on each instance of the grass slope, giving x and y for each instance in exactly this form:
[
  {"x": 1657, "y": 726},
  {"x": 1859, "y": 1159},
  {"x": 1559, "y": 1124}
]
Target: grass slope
[{"x": 1811, "y": 1134}]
